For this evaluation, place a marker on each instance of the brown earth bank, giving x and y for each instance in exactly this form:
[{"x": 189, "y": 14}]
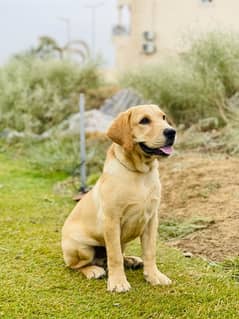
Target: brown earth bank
[{"x": 203, "y": 186}]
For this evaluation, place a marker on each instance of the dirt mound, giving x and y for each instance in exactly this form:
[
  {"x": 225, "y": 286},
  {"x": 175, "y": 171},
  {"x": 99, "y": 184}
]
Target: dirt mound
[{"x": 203, "y": 186}]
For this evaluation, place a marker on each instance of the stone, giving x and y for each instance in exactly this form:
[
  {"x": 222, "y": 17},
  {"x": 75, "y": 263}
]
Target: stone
[
  {"x": 95, "y": 121},
  {"x": 11, "y": 135},
  {"x": 121, "y": 101}
]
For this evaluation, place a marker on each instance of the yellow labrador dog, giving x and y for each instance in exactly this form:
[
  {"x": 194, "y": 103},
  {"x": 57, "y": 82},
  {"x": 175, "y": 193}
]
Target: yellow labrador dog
[{"x": 124, "y": 202}]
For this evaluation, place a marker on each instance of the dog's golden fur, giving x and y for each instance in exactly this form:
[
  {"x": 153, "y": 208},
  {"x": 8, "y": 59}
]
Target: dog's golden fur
[{"x": 122, "y": 205}]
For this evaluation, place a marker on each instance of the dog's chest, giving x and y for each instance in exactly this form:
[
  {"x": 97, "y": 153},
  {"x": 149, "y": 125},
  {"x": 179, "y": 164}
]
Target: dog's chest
[{"x": 143, "y": 203}]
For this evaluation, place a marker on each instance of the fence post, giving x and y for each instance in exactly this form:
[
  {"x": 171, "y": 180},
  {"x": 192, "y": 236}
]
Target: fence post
[{"x": 82, "y": 144}]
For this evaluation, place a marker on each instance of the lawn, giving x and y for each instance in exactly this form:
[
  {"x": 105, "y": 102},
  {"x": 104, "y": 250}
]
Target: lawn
[{"x": 34, "y": 282}]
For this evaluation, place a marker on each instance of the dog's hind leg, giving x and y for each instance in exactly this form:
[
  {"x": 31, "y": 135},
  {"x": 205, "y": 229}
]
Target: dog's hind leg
[
  {"x": 132, "y": 262},
  {"x": 93, "y": 271},
  {"x": 81, "y": 259}
]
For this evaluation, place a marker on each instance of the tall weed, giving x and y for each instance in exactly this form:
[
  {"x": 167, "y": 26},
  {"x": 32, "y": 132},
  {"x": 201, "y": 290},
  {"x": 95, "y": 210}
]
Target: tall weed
[{"x": 36, "y": 94}]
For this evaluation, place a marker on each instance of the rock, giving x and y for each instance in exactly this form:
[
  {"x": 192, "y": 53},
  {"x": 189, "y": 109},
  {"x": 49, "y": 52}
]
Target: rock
[
  {"x": 45, "y": 135},
  {"x": 99, "y": 120},
  {"x": 121, "y": 101},
  {"x": 13, "y": 136},
  {"x": 95, "y": 121},
  {"x": 10, "y": 135}
]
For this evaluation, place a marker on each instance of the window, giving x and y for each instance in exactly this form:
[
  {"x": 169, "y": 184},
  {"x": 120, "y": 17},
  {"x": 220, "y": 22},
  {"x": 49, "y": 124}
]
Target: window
[
  {"x": 126, "y": 17},
  {"x": 123, "y": 26}
]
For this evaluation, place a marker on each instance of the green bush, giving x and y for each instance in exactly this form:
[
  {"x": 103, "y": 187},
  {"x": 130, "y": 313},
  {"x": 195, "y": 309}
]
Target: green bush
[
  {"x": 195, "y": 84},
  {"x": 61, "y": 154},
  {"x": 36, "y": 94}
]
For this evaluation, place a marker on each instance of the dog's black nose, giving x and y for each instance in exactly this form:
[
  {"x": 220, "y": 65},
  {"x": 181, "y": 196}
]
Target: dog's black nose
[{"x": 169, "y": 133}]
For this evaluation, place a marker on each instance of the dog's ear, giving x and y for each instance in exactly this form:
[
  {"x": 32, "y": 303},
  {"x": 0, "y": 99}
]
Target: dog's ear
[{"x": 120, "y": 131}]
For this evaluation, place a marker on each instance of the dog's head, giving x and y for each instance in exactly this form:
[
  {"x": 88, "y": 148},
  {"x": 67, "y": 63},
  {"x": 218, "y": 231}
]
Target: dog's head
[{"x": 145, "y": 129}]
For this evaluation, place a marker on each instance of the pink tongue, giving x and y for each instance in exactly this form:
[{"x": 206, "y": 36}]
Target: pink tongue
[{"x": 167, "y": 149}]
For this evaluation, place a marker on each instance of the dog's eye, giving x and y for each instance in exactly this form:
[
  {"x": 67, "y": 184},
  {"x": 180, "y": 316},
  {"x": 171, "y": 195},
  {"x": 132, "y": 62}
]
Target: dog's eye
[
  {"x": 164, "y": 117},
  {"x": 144, "y": 121}
]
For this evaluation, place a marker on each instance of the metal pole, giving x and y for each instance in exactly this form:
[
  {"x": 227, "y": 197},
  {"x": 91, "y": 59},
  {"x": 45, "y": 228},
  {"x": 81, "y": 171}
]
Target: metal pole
[
  {"x": 93, "y": 8},
  {"x": 82, "y": 144}
]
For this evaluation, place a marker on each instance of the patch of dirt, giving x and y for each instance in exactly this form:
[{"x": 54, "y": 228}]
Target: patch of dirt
[{"x": 204, "y": 186}]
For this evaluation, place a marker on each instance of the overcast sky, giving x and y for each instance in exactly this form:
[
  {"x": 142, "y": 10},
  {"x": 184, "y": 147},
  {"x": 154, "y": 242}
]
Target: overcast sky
[{"x": 23, "y": 21}]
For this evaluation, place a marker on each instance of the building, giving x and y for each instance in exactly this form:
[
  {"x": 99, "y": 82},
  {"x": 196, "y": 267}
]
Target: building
[{"x": 150, "y": 29}]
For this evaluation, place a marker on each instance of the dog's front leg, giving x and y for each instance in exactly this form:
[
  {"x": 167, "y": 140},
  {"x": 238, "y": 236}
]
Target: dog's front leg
[
  {"x": 148, "y": 242},
  {"x": 116, "y": 276}
]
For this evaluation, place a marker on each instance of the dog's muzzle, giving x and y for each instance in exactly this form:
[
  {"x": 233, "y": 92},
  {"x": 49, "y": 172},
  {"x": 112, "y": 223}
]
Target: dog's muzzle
[
  {"x": 170, "y": 134},
  {"x": 165, "y": 150}
]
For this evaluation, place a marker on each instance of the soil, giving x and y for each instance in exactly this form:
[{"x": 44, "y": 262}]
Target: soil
[{"x": 203, "y": 186}]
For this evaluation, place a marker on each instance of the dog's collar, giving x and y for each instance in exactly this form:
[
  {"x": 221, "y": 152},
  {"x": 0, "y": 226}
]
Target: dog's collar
[
  {"x": 130, "y": 165},
  {"x": 127, "y": 167}
]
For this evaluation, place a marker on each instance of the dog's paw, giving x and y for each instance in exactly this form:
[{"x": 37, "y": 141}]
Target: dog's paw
[
  {"x": 133, "y": 262},
  {"x": 118, "y": 285},
  {"x": 93, "y": 272},
  {"x": 157, "y": 278}
]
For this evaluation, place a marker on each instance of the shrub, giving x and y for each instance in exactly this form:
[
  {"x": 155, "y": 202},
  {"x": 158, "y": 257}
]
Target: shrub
[
  {"x": 61, "y": 154},
  {"x": 195, "y": 84},
  {"x": 36, "y": 94}
]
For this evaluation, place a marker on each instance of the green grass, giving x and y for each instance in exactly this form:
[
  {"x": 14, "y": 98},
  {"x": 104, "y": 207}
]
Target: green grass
[
  {"x": 232, "y": 265},
  {"x": 34, "y": 282}
]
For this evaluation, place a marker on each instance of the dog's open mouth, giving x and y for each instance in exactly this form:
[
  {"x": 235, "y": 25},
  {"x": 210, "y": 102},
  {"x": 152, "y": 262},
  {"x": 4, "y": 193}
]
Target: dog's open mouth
[{"x": 163, "y": 151}]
